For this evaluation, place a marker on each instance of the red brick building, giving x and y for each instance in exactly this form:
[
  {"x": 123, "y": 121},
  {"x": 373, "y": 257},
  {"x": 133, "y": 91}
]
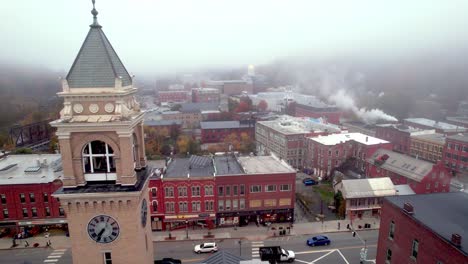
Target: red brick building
[
  {"x": 329, "y": 113},
  {"x": 175, "y": 96},
  {"x": 327, "y": 152},
  {"x": 205, "y": 95},
  {"x": 440, "y": 127},
  {"x": 422, "y": 176},
  {"x": 427, "y": 228},
  {"x": 232, "y": 87},
  {"x": 217, "y": 131},
  {"x": 400, "y": 135},
  {"x": 27, "y": 183},
  {"x": 221, "y": 190},
  {"x": 456, "y": 153}
]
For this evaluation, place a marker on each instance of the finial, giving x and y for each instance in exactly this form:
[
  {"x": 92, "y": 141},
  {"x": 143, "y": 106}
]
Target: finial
[{"x": 94, "y": 12}]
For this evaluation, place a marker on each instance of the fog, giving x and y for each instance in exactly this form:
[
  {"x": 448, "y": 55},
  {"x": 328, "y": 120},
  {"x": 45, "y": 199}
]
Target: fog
[{"x": 155, "y": 36}]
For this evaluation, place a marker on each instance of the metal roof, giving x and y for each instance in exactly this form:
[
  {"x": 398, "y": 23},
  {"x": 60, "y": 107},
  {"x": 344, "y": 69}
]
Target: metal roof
[
  {"x": 459, "y": 137},
  {"x": 198, "y": 107},
  {"x": 223, "y": 257},
  {"x": 30, "y": 168},
  {"x": 97, "y": 64},
  {"x": 361, "y": 188},
  {"x": 223, "y": 124},
  {"x": 443, "y": 213}
]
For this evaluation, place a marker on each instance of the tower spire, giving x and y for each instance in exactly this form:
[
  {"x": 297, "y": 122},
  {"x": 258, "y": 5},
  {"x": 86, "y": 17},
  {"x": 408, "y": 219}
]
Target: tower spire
[{"x": 94, "y": 12}]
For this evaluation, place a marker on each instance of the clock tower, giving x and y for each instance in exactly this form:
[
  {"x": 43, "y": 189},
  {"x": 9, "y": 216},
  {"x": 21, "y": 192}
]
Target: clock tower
[{"x": 100, "y": 132}]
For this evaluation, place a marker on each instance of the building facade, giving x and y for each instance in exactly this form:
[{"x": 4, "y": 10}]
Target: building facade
[
  {"x": 217, "y": 131},
  {"x": 329, "y": 113},
  {"x": 456, "y": 153},
  {"x": 423, "y": 229},
  {"x": 400, "y": 135},
  {"x": 440, "y": 127},
  {"x": 428, "y": 147},
  {"x": 324, "y": 153},
  {"x": 205, "y": 95},
  {"x": 173, "y": 96},
  {"x": 422, "y": 176},
  {"x": 232, "y": 87}
]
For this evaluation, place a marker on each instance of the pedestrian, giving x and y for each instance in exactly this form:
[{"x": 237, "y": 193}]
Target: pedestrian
[
  {"x": 339, "y": 225},
  {"x": 347, "y": 226}
]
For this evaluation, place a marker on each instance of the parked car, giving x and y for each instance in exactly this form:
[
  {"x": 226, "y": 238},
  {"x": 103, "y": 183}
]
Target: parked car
[
  {"x": 206, "y": 247},
  {"x": 318, "y": 241},
  {"x": 309, "y": 181},
  {"x": 168, "y": 261}
]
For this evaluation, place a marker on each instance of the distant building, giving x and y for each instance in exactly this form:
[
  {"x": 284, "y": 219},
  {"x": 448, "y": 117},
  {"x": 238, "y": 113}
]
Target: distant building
[
  {"x": 327, "y": 152},
  {"x": 217, "y": 131},
  {"x": 458, "y": 120},
  {"x": 173, "y": 97},
  {"x": 330, "y": 114},
  {"x": 422, "y": 176},
  {"x": 164, "y": 124},
  {"x": 456, "y": 153},
  {"x": 462, "y": 108},
  {"x": 360, "y": 127},
  {"x": 428, "y": 147},
  {"x": 364, "y": 197},
  {"x": 286, "y": 137},
  {"x": 429, "y": 228},
  {"x": 400, "y": 135},
  {"x": 205, "y": 95},
  {"x": 27, "y": 183},
  {"x": 440, "y": 127},
  {"x": 232, "y": 87}
]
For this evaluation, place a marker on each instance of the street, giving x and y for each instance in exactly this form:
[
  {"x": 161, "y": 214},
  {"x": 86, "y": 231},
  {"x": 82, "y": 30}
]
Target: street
[{"x": 344, "y": 249}]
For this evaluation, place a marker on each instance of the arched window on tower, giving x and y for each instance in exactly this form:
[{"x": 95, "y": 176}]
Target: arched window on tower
[
  {"x": 98, "y": 161},
  {"x": 135, "y": 151}
]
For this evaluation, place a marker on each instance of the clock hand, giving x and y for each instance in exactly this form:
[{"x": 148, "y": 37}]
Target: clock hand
[{"x": 100, "y": 234}]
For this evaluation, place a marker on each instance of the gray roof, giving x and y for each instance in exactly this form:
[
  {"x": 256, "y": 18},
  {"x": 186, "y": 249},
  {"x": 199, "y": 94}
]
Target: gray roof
[
  {"x": 227, "y": 165},
  {"x": 436, "y": 138},
  {"x": 460, "y": 137},
  {"x": 198, "y": 107},
  {"x": 195, "y": 166},
  {"x": 446, "y": 127},
  {"x": 374, "y": 187},
  {"x": 97, "y": 64},
  {"x": 401, "y": 164},
  {"x": 222, "y": 124},
  {"x": 443, "y": 213},
  {"x": 162, "y": 122},
  {"x": 223, "y": 257}
]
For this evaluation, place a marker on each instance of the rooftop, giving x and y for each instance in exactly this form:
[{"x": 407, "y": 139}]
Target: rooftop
[
  {"x": 222, "y": 124},
  {"x": 289, "y": 125},
  {"x": 442, "y": 213},
  {"x": 227, "y": 165},
  {"x": 435, "y": 137},
  {"x": 459, "y": 119},
  {"x": 404, "y": 189},
  {"x": 459, "y": 137},
  {"x": 436, "y": 124},
  {"x": 264, "y": 165},
  {"x": 408, "y": 129},
  {"x": 30, "y": 169},
  {"x": 162, "y": 122},
  {"x": 195, "y": 166},
  {"x": 198, "y": 107},
  {"x": 375, "y": 187},
  {"x": 415, "y": 169},
  {"x": 335, "y": 139}
]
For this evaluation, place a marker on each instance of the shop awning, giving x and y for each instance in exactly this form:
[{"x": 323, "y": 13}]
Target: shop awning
[{"x": 43, "y": 222}]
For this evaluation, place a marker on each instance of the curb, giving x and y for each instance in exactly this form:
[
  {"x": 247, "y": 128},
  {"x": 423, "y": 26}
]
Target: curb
[
  {"x": 216, "y": 239},
  {"x": 13, "y": 248}
]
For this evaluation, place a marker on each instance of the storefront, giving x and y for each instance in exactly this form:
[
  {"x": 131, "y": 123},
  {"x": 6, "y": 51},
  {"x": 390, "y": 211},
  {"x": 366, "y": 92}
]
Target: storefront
[
  {"x": 157, "y": 222},
  {"x": 192, "y": 221},
  {"x": 257, "y": 217}
]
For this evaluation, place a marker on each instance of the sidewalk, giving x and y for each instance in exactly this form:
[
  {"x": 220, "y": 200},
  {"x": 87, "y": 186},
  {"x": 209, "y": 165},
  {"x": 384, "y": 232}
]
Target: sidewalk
[
  {"x": 58, "y": 242},
  {"x": 262, "y": 232}
]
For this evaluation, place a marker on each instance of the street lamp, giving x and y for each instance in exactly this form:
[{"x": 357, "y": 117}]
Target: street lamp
[
  {"x": 240, "y": 248},
  {"x": 186, "y": 229}
]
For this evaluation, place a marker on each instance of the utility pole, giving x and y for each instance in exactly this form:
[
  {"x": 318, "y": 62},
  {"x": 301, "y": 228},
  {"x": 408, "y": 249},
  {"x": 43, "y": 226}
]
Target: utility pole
[
  {"x": 186, "y": 229},
  {"x": 240, "y": 248},
  {"x": 363, "y": 253}
]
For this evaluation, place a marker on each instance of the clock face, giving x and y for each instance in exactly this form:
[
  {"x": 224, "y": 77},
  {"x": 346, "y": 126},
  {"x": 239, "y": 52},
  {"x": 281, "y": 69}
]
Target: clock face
[
  {"x": 144, "y": 213},
  {"x": 103, "y": 229}
]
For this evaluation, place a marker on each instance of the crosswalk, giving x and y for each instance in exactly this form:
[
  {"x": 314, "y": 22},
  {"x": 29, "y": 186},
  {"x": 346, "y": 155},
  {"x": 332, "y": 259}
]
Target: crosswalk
[
  {"x": 55, "y": 256},
  {"x": 255, "y": 249}
]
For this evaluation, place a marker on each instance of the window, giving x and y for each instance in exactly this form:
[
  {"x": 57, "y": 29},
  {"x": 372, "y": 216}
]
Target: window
[
  {"x": 285, "y": 187},
  {"x": 34, "y": 212},
  {"x": 22, "y": 198},
  {"x": 228, "y": 190},
  {"x": 32, "y": 198},
  {"x": 228, "y": 205},
  {"x": 235, "y": 204},
  {"x": 45, "y": 196},
  {"x": 182, "y": 191},
  {"x": 389, "y": 256},
  {"x": 428, "y": 186},
  {"x": 220, "y": 205},
  {"x": 155, "y": 206},
  {"x": 183, "y": 207},
  {"x": 170, "y": 207},
  {"x": 107, "y": 258},
  {"x": 270, "y": 188},
  {"x": 168, "y": 191},
  {"x": 220, "y": 190},
  {"x": 3, "y": 198},
  {"x": 196, "y": 191},
  {"x": 242, "y": 204},
  {"x": 209, "y": 190},
  {"x": 47, "y": 211},
  {"x": 209, "y": 205},
  {"x": 153, "y": 192},
  {"x": 196, "y": 206},
  {"x": 98, "y": 157},
  {"x": 235, "y": 190},
  {"x": 436, "y": 184},
  {"x": 391, "y": 233},
  {"x": 242, "y": 189},
  {"x": 61, "y": 211},
  {"x": 25, "y": 212},
  {"x": 255, "y": 188},
  {"x": 5, "y": 213},
  {"x": 414, "y": 250}
]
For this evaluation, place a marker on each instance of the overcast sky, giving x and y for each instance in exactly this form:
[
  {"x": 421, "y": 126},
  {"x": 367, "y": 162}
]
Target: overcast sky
[{"x": 154, "y": 36}]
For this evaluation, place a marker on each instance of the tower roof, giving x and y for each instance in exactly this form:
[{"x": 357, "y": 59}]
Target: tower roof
[{"x": 97, "y": 64}]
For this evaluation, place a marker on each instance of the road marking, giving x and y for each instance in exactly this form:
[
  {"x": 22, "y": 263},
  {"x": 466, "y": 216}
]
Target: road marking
[
  {"x": 256, "y": 248},
  {"x": 312, "y": 251},
  {"x": 319, "y": 258},
  {"x": 192, "y": 260},
  {"x": 57, "y": 253},
  {"x": 54, "y": 256},
  {"x": 60, "y": 249},
  {"x": 298, "y": 260},
  {"x": 371, "y": 260},
  {"x": 50, "y": 260},
  {"x": 343, "y": 256}
]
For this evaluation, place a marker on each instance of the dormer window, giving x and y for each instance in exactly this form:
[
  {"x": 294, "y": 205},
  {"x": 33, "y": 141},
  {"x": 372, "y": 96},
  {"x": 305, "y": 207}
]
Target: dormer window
[{"x": 98, "y": 161}]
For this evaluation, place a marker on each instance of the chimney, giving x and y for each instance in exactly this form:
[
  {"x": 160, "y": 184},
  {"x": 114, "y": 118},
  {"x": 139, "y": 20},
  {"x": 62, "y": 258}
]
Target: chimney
[
  {"x": 456, "y": 240},
  {"x": 408, "y": 208},
  {"x": 367, "y": 139}
]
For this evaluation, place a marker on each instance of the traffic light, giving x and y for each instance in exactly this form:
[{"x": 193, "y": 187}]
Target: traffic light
[{"x": 354, "y": 233}]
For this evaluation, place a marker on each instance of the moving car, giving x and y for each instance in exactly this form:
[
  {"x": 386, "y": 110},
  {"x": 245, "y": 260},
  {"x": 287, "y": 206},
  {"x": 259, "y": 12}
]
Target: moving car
[
  {"x": 277, "y": 254},
  {"x": 318, "y": 241},
  {"x": 168, "y": 261},
  {"x": 206, "y": 247},
  {"x": 309, "y": 181}
]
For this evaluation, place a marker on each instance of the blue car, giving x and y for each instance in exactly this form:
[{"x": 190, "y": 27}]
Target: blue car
[
  {"x": 309, "y": 181},
  {"x": 318, "y": 241}
]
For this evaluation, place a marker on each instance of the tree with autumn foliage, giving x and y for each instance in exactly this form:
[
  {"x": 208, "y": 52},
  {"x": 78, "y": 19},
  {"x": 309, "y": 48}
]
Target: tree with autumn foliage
[
  {"x": 247, "y": 143},
  {"x": 233, "y": 140},
  {"x": 155, "y": 140},
  {"x": 242, "y": 107},
  {"x": 183, "y": 143},
  {"x": 262, "y": 106}
]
